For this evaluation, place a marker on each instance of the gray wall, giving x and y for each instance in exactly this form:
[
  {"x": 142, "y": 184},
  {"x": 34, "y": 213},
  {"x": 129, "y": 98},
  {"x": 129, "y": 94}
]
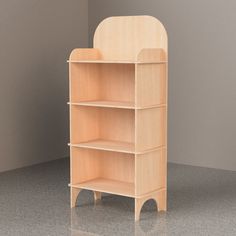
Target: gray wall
[
  {"x": 202, "y": 75},
  {"x": 36, "y": 38}
]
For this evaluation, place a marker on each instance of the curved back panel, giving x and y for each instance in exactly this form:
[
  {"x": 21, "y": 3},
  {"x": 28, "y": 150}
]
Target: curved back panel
[{"x": 123, "y": 37}]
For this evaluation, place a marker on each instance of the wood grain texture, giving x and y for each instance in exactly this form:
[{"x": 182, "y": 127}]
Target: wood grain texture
[
  {"x": 106, "y": 103},
  {"x": 88, "y": 164},
  {"x": 85, "y": 54},
  {"x": 149, "y": 128},
  {"x": 160, "y": 198},
  {"x": 150, "y": 85},
  {"x": 150, "y": 55},
  {"x": 107, "y": 145},
  {"x": 122, "y": 38},
  {"x": 99, "y": 61},
  {"x": 108, "y": 186},
  {"x": 150, "y": 172},
  {"x": 92, "y": 123},
  {"x": 110, "y": 82},
  {"x": 85, "y": 165}
]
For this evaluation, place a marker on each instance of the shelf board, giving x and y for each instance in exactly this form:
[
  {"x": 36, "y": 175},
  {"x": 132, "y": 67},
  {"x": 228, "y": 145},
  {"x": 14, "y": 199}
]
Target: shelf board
[
  {"x": 108, "y": 186},
  {"x": 116, "y": 62},
  {"x": 102, "y": 103},
  {"x": 113, "y": 146},
  {"x": 107, "y": 145},
  {"x": 113, "y": 104}
]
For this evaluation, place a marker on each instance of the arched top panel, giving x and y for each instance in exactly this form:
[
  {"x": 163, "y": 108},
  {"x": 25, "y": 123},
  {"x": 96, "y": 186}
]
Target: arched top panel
[{"x": 123, "y": 37}]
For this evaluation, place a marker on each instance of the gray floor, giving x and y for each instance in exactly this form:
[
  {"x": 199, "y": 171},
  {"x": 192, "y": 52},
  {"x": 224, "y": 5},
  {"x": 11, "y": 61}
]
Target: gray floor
[{"x": 35, "y": 201}]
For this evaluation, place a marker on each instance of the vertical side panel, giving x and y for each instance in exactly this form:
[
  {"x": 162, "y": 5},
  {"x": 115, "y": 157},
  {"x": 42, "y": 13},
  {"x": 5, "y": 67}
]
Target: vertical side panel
[
  {"x": 150, "y": 172},
  {"x": 150, "y": 128},
  {"x": 151, "y": 84}
]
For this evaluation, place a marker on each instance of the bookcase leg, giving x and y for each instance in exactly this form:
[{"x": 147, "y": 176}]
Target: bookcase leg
[
  {"x": 74, "y": 192},
  {"x": 97, "y": 196},
  {"x": 138, "y": 207},
  {"x": 159, "y": 197},
  {"x": 162, "y": 200}
]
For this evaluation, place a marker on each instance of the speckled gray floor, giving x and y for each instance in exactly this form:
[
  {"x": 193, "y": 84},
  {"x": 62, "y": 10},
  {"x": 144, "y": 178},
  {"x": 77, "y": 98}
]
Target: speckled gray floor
[{"x": 34, "y": 201}]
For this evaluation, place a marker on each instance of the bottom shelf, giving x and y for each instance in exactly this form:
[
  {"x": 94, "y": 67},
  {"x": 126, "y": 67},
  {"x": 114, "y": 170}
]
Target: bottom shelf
[{"x": 108, "y": 186}]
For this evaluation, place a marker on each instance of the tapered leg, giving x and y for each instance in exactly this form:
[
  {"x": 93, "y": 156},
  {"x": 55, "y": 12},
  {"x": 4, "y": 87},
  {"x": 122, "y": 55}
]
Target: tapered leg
[
  {"x": 97, "y": 196},
  {"x": 138, "y": 206},
  {"x": 162, "y": 200},
  {"x": 74, "y": 192}
]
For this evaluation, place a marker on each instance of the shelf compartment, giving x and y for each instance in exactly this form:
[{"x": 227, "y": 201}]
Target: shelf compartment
[
  {"x": 98, "y": 123},
  {"x": 107, "y": 145},
  {"x": 108, "y": 186},
  {"x": 89, "y": 164},
  {"x": 102, "y": 82}
]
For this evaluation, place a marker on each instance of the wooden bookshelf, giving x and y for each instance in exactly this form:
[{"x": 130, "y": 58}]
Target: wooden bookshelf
[{"x": 118, "y": 112}]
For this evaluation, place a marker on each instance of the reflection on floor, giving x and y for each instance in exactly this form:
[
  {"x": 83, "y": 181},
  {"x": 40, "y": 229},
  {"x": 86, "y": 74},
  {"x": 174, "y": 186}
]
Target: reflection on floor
[
  {"x": 34, "y": 201},
  {"x": 114, "y": 215}
]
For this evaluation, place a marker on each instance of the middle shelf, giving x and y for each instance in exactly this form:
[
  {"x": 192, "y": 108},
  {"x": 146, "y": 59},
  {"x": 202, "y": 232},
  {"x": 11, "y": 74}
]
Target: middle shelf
[
  {"x": 105, "y": 103},
  {"x": 107, "y": 145},
  {"x": 113, "y": 104},
  {"x": 120, "y": 130}
]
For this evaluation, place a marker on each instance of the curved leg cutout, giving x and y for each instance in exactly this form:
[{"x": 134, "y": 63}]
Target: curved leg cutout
[
  {"x": 74, "y": 192},
  {"x": 138, "y": 206},
  {"x": 159, "y": 197}
]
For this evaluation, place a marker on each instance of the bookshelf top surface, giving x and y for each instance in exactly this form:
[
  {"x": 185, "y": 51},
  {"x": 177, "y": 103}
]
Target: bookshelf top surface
[{"x": 116, "y": 62}]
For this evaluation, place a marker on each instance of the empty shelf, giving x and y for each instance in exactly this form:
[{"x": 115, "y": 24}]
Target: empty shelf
[
  {"x": 114, "y": 104},
  {"x": 107, "y": 145},
  {"x": 108, "y": 186},
  {"x": 102, "y": 103}
]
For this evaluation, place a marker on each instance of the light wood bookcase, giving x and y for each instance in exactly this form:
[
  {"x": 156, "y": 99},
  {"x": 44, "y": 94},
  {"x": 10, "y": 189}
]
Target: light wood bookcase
[{"x": 118, "y": 112}]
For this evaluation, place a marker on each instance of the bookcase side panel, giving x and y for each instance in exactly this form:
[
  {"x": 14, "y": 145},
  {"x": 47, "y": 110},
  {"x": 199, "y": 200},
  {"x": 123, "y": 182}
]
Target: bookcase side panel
[
  {"x": 150, "y": 128},
  {"x": 150, "y": 172},
  {"x": 85, "y": 54},
  {"x": 150, "y": 84},
  {"x": 152, "y": 55}
]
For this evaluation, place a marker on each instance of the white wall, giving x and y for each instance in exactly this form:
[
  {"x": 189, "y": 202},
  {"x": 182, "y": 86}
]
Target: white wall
[
  {"x": 36, "y": 38},
  {"x": 202, "y": 75}
]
